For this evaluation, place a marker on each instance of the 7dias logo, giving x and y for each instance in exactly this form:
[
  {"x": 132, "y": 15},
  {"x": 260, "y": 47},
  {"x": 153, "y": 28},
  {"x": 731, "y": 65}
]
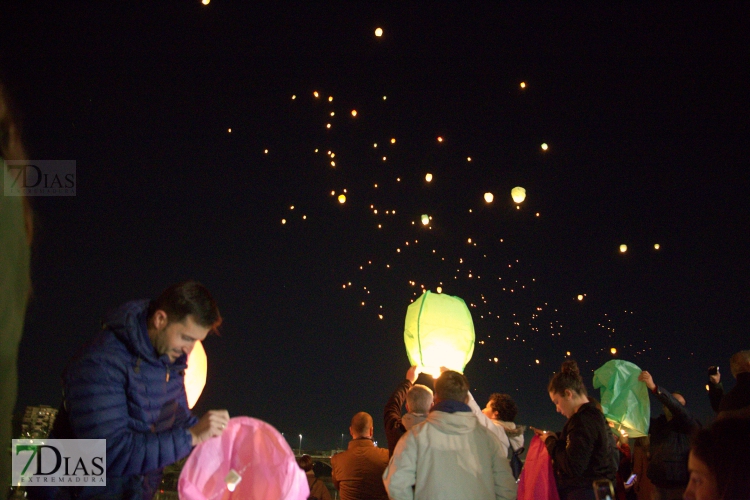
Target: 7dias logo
[
  {"x": 39, "y": 178},
  {"x": 59, "y": 462}
]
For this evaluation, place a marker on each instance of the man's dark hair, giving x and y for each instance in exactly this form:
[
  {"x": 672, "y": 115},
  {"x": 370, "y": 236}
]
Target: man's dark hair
[
  {"x": 452, "y": 385},
  {"x": 188, "y": 298},
  {"x": 504, "y": 406}
]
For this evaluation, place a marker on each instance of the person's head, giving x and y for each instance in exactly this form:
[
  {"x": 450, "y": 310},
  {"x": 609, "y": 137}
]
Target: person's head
[
  {"x": 452, "y": 385},
  {"x": 740, "y": 363},
  {"x": 719, "y": 462},
  {"x": 566, "y": 389},
  {"x": 419, "y": 399},
  {"x": 501, "y": 407},
  {"x": 361, "y": 426},
  {"x": 305, "y": 462},
  {"x": 183, "y": 314}
]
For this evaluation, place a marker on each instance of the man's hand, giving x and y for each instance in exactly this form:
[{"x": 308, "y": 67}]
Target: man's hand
[
  {"x": 716, "y": 377},
  {"x": 412, "y": 374},
  {"x": 648, "y": 379},
  {"x": 211, "y": 424}
]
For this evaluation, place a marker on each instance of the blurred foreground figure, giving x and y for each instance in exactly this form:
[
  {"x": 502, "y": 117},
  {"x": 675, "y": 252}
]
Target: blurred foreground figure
[
  {"x": 358, "y": 471},
  {"x": 250, "y": 461},
  {"x": 450, "y": 455},
  {"x": 15, "y": 239},
  {"x": 719, "y": 462},
  {"x": 127, "y": 386}
]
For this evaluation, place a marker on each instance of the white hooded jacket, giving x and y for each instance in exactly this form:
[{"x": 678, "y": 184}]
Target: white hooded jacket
[{"x": 447, "y": 457}]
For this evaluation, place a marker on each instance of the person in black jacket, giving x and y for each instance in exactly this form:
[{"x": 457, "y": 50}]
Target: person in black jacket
[
  {"x": 418, "y": 403},
  {"x": 670, "y": 442},
  {"x": 739, "y": 397},
  {"x": 584, "y": 451}
]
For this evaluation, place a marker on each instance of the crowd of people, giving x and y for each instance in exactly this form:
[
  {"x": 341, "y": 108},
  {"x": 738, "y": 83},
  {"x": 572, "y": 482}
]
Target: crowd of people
[{"x": 126, "y": 386}]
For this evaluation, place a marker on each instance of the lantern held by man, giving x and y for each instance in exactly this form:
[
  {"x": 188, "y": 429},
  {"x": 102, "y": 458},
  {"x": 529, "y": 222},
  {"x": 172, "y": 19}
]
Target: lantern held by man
[
  {"x": 439, "y": 332},
  {"x": 624, "y": 398},
  {"x": 195, "y": 373}
]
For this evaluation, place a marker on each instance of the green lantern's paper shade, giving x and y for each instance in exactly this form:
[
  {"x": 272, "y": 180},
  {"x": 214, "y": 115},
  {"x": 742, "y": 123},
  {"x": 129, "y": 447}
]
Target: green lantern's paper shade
[
  {"x": 624, "y": 399},
  {"x": 439, "y": 332}
]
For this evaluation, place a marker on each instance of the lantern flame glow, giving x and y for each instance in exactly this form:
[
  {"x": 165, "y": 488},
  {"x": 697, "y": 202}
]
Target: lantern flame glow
[{"x": 518, "y": 194}]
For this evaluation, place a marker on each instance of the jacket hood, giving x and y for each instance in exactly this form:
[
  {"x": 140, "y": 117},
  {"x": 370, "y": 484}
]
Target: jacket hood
[
  {"x": 460, "y": 422},
  {"x": 511, "y": 429},
  {"x": 128, "y": 323},
  {"x": 411, "y": 419}
]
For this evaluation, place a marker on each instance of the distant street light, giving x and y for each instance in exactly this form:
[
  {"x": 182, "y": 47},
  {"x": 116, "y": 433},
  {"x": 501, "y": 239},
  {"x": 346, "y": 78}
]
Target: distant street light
[
  {"x": 342, "y": 442},
  {"x": 300, "y": 444}
]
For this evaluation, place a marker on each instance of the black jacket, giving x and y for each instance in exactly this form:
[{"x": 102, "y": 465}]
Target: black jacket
[
  {"x": 670, "y": 443},
  {"x": 737, "y": 398},
  {"x": 584, "y": 451},
  {"x": 394, "y": 429}
]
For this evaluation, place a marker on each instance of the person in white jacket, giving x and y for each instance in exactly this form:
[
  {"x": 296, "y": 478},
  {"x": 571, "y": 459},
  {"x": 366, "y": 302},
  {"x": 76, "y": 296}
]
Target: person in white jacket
[
  {"x": 498, "y": 417},
  {"x": 450, "y": 455}
]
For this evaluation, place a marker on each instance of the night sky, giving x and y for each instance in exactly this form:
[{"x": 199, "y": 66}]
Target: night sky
[{"x": 644, "y": 110}]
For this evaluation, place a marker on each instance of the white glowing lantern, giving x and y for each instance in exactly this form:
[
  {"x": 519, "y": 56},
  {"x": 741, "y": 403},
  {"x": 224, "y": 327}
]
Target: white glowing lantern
[
  {"x": 518, "y": 194},
  {"x": 425, "y": 219},
  {"x": 195, "y": 373},
  {"x": 580, "y": 297},
  {"x": 657, "y": 246},
  {"x": 623, "y": 248},
  {"x": 342, "y": 198},
  {"x": 544, "y": 146},
  {"x": 205, "y": 2},
  {"x": 489, "y": 197},
  {"x": 439, "y": 332},
  {"x": 428, "y": 177},
  {"x": 379, "y": 32}
]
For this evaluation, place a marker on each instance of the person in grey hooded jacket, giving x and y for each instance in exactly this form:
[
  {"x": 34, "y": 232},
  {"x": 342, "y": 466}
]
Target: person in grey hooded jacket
[{"x": 418, "y": 403}]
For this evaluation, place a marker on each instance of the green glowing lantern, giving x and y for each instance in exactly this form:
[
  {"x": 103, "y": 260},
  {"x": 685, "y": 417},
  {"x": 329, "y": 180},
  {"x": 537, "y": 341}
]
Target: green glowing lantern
[
  {"x": 439, "y": 332},
  {"x": 624, "y": 399}
]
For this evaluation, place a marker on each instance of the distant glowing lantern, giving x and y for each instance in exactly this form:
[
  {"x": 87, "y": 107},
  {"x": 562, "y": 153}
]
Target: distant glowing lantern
[
  {"x": 439, "y": 332},
  {"x": 316, "y": 94},
  {"x": 229, "y": 130},
  {"x": 428, "y": 177},
  {"x": 518, "y": 194},
  {"x": 195, "y": 373},
  {"x": 379, "y": 32},
  {"x": 342, "y": 198},
  {"x": 330, "y": 98},
  {"x": 613, "y": 350},
  {"x": 283, "y": 221},
  {"x": 393, "y": 140},
  {"x": 544, "y": 146},
  {"x": 354, "y": 112},
  {"x": 657, "y": 246},
  {"x": 205, "y": 2},
  {"x": 580, "y": 297},
  {"x": 623, "y": 248},
  {"x": 425, "y": 219},
  {"x": 439, "y": 289},
  {"x": 489, "y": 197},
  {"x": 440, "y": 139},
  {"x": 523, "y": 85}
]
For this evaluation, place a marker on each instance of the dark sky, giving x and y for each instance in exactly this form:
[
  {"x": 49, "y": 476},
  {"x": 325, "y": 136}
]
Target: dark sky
[{"x": 644, "y": 109}]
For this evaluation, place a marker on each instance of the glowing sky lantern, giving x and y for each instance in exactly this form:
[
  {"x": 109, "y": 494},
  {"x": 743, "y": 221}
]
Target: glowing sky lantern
[
  {"x": 342, "y": 198},
  {"x": 523, "y": 85},
  {"x": 544, "y": 146},
  {"x": 657, "y": 246},
  {"x": 623, "y": 248},
  {"x": 316, "y": 94},
  {"x": 489, "y": 197},
  {"x": 195, "y": 373},
  {"x": 428, "y": 177},
  {"x": 354, "y": 112},
  {"x": 438, "y": 331},
  {"x": 379, "y": 32},
  {"x": 440, "y": 139},
  {"x": 580, "y": 297},
  {"x": 613, "y": 350},
  {"x": 205, "y": 2},
  {"x": 625, "y": 401},
  {"x": 425, "y": 219},
  {"x": 518, "y": 194}
]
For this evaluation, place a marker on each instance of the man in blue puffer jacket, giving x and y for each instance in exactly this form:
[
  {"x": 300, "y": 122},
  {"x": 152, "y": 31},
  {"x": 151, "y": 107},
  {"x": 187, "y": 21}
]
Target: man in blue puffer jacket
[{"x": 126, "y": 386}]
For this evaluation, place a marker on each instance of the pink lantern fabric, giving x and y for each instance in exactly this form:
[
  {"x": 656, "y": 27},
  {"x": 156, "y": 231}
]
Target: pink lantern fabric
[
  {"x": 537, "y": 481},
  {"x": 257, "y": 452}
]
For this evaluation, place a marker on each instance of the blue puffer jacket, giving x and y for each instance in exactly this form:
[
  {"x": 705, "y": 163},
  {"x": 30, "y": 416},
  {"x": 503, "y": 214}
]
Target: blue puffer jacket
[{"x": 117, "y": 388}]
